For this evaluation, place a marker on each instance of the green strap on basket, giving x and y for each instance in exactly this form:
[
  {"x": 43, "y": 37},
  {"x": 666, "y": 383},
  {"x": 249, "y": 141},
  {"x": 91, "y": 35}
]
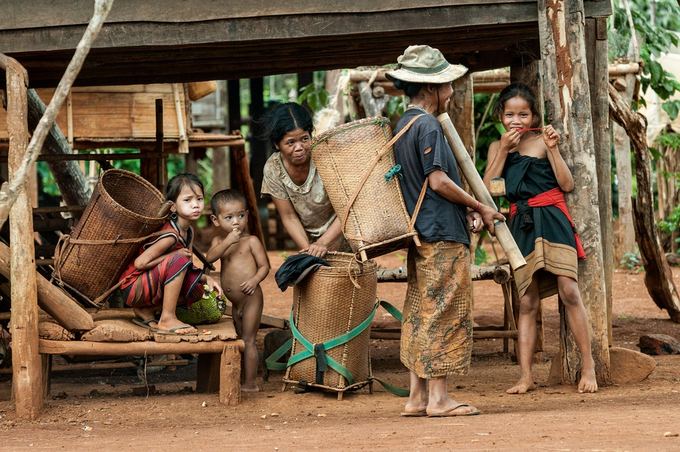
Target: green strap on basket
[{"x": 314, "y": 350}]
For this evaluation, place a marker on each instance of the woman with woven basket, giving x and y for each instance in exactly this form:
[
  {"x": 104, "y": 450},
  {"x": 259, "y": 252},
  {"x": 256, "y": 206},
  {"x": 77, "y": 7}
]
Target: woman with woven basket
[
  {"x": 292, "y": 181},
  {"x": 436, "y": 334}
]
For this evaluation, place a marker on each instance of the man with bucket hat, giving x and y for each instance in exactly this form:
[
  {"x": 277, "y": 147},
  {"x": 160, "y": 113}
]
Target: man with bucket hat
[{"x": 436, "y": 338}]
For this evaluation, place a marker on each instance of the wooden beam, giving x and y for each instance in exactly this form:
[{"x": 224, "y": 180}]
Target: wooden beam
[
  {"x": 27, "y": 365},
  {"x": 567, "y": 96},
  {"x": 596, "y": 52},
  {"x": 85, "y": 348}
]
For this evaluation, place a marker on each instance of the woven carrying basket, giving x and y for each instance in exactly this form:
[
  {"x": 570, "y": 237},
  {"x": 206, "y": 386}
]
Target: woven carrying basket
[
  {"x": 377, "y": 222},
  {"x": 326, "y": 305},
  {"x": 123, "y": 206}
]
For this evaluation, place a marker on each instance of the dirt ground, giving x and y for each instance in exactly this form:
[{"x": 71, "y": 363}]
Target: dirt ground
[{"x": 101, "y": 410}]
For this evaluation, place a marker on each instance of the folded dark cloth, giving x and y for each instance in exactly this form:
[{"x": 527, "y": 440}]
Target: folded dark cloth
[{"x": 296, "y": 268}]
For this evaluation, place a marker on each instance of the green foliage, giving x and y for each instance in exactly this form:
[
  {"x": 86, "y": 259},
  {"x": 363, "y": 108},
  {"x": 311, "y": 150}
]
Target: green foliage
[
  {"x": 632, "y": 262},
  {"x": 481, "y": 256},
  {"x": 395, "y": 107},
  {"x": 671, "y": 223},
  {"x": 656, "y": 24},
  {"x": 488, "y": 127},
  {"x": 315, "y": 94}
]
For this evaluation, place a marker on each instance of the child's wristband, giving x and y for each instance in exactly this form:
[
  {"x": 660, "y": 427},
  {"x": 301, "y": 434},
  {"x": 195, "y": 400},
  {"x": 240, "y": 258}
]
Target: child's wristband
[{"x": 478, "y": 206}]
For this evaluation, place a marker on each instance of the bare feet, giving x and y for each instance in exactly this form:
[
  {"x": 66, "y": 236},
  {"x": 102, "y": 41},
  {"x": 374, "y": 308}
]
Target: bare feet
[
  {"x": 250, "y": 388},
  {"x": 450, "y": 407},
  {"x": 418, "y": 408},
  {"x": 523, "y": 386},
  {"x": 588, "y": 382}
]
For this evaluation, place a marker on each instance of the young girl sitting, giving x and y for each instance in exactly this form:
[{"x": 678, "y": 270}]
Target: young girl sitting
[
  {"x": 243, "y": 266},
  {"x": 163, "y": 276},
  {"x": 536, "y": 177}
]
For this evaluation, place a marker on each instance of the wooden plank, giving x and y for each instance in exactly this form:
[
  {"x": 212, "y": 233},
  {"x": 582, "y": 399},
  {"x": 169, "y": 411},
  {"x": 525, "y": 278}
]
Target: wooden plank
[
  {"x": 567, "y": 96},
  {"x": 217, "y": 61},
  {"x": 133, "y": 348},
  {"x": 114, "y": 114},
  {"x": 38, "y": 13},
  {"x": 28, "y": 367}
]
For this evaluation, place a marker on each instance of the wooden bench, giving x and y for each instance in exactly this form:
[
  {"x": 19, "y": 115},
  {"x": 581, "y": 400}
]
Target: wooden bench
[{"x": 219, "y": 353}]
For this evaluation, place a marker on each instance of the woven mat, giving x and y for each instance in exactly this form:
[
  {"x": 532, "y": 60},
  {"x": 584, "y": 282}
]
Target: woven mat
[{"x": 123, "y": 330}]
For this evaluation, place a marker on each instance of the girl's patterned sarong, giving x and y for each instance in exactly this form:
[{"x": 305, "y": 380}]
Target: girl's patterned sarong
[
  {"x": 543, "y": 232},
  {"x": 145, "y": 287},
  {"x": 436, "y": 334}
]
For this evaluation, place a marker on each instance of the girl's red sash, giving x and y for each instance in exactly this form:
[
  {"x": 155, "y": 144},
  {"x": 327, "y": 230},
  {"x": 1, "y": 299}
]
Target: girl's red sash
[{"x": 554, "y": 197}]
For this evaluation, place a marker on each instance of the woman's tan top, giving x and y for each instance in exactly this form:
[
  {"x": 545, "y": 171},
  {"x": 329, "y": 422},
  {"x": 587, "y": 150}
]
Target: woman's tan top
[{"x": 309, "y": 200}]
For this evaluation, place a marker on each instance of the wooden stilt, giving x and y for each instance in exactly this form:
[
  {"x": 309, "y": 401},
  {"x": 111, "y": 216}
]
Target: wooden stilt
[
  {"x": 230, "y": 376},
  {"x": 567, "y": 95},
  {"x": 596, "y": 51},
  {"x": 27, "y": 366},
  {"x": 242, "y": 181},
  {"x": 208, "y": 372},
  {"x": 46, "y": 361}
]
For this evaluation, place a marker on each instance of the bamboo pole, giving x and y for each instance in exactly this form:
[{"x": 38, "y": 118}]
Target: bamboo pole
[
  {"x": 8, "y": 192},
  {"x": 479, "y": 189}
]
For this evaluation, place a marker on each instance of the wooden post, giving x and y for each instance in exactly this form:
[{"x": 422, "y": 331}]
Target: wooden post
[
  {"x": 462, "y": 112},
  {"x": 208, "y": 373},
  {"x": 220, "y": 169},
  {"x": 153, "y": 169},
  {"x": 529, "y": 73},
  {"x": 241, "y": 180},
  {"x": 26, "y": 363},
  {"x": 230, "y": 376},
  {"x": 596, "y": 51},
  {"x": 567, "y": 96}
]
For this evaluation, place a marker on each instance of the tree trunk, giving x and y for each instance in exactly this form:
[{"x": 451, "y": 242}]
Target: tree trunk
[
  {"x": 70, "y": 179},
  {"x": 625, "y": 234},
  {"x": 567, "y": 95},
  {"x": 596, "y": 50},
  {"x": 658, "y": 275}
]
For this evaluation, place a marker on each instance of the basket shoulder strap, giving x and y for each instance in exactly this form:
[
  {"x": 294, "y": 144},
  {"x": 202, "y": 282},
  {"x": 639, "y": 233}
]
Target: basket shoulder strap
[
  {"x": 381, "y": 153},
  {"x": 419, "y": 204}
]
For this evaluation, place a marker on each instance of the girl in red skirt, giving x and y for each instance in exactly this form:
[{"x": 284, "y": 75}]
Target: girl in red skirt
[{"x": 163, "y": 275}]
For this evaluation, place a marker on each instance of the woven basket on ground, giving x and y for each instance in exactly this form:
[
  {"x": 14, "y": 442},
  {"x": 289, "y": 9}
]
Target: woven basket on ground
[
  {"x": 353, "y": 160},
  {"x": 124, "y": 208},
  {"x": 327, "y": 304}
]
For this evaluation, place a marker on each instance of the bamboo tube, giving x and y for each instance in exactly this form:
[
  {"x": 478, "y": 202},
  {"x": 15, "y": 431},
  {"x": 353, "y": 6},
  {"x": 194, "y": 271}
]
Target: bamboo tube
[{"x": 479, "y": 189}]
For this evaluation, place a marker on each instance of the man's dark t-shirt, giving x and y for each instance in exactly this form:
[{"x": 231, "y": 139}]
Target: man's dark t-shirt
[{"x": 439, "y": 219}]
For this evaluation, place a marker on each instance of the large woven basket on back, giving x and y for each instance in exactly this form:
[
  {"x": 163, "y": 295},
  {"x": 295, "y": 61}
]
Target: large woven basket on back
[
  {"x": 328, "y": 304},
  {"x": 124, "y": 208},
  {"x": 353, "y": 160}
]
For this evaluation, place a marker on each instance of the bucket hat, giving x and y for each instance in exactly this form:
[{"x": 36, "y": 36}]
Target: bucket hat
[{"x": 425, "y": 64}]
